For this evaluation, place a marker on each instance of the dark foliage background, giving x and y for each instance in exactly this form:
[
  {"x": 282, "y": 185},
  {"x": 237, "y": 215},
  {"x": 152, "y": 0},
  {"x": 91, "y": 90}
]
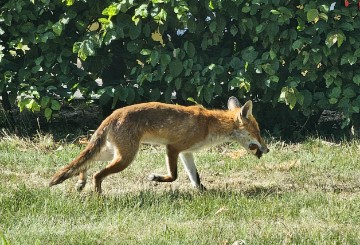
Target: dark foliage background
[{"x": 295, "y": 59}]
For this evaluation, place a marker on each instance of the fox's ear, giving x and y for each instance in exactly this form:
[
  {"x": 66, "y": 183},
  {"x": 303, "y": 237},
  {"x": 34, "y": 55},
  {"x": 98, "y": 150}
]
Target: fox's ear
[
  {"x": 233, "y": 103},
  {"x": 246, "y": 110}
]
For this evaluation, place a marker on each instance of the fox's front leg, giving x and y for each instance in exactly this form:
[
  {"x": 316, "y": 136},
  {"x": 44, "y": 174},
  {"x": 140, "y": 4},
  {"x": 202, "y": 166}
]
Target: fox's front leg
[
  {"x": 187, "y": 159},
  {"x": 171, "y": 164}
]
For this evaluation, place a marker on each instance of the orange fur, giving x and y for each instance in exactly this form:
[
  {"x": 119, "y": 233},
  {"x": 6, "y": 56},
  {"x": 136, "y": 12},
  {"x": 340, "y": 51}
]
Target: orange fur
[{"x": 182, "y": 129}]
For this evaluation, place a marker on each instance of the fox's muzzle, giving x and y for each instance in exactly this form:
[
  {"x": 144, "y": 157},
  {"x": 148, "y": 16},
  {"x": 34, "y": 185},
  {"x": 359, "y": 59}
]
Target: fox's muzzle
[{"x": 259, "y": 151}]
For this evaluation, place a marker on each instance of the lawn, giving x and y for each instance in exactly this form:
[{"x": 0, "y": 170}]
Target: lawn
[{"x": 303, "y": 193}]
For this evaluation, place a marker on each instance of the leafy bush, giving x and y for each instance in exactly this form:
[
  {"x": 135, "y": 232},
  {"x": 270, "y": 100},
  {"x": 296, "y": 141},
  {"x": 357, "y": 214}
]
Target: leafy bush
[{"x": 299, "y": 53}]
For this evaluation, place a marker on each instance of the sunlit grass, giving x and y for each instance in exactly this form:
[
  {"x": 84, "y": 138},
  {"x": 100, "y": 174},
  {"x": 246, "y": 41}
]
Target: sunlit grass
[{"x": 306, "y": 193}]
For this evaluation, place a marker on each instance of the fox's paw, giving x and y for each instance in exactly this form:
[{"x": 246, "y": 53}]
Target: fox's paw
[
  {"x": 79, "y": 186},
  {"x": 154, "y": 177},
  {"x": 201, "y": 188}
]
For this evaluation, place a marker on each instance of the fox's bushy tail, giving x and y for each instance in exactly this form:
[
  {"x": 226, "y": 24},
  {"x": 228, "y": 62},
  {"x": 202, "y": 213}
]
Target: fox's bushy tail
[{"x": 80, "y": 163}]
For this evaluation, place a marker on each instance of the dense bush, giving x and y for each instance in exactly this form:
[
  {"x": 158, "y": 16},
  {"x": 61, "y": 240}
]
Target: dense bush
[{"x": 298, "y": 53}]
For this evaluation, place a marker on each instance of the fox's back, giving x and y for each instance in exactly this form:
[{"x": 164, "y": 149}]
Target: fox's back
[
  {"x": 155, "y": 116},
  {"x": 161, "y": 123}
]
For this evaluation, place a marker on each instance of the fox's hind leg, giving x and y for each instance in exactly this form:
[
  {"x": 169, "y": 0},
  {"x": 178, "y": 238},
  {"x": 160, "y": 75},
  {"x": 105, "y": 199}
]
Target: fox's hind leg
[
  {"x": 122, "y": 158},
  {"x": 80, "y": 184},
  {"x": 171, "y": 164},
  {"x": 106, "y": 154}
]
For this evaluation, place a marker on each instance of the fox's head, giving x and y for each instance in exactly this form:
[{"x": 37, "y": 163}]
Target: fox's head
[{"x": 247, "y": 131}]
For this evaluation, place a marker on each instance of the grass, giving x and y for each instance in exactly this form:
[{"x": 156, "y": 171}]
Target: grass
[{"x": 306, "y": 193}]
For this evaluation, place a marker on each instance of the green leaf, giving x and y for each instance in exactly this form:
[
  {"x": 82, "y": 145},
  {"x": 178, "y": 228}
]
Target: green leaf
[
  {"x": 306, "y": 57},
  {"x": 218, "y": 69},
  {"x": 246, "y": 9},
  {"x": 274, "y": 79},
  {"x": 178, "y": 82},
  {"x": 239, "y": 82},
  {"x": 122, "y": 93},
  {"x": 274, "y": 11},
  {"x": 335, "y": 92},
  {"x": 324, "y": 16},
  {"x": 272, "y": 30},
  {"x": 235, "y": 63},
  {"x": 211, "y": 5},
  {"x": 290, "y": 96},
  {"x": 208, "y": 93},
  {"x": 109, "y": 37},
  {"x": 272, "y": 54},
  {"x": 39, "y": 60},
  {"x": 104, "y": 22},
  {"x": 55, "y": 105},
  {"x": 84, "y": 49},
  {"x": 297, "y": 44},
  {"x": 32, "y": 105},
  {"x": 145, "y": 52},
  {"x": 146, "y": 30},
  {"x": 356, "y": 109},
  {"x": 36, "y": 68},
  {"x": 329, "y": 81},
  {"x": 112, "y": 10},
  {"x": 349, "y": 93},
  {"x": 260, "y": 28},
  {"x": 57, "y": 28},
  {"x": 352, "y": 60},
  {"x": 175, "y": 67},
  {"x": 249, "y": 54},
  {"x": 308, "y": 97},
  {"x": 312, "y": 14},
  {"x": 48, "y": 113},
  {"x": 299, "y": 98},
  {"x": 44, "y": 101},
  {"x": 356, "y": 79},
  {"x": 268, "y": 69},
  {"x": 69, "y": 2},
  {"x": 161, "y": 17},
  {"x": 191, "y": 25},
  {"x": 333, "y": 101},
  {"x": 234, "y": 30},
  {"x": 357, "y": 53},
  {"x": 142, "y": 11},
  {"x": 324, "y": 8},
  {"x": 348, "y": 58},
  {"x": 189, "y": 48},
  {"x": 191, "y": 99},
  {"x": 135, "y": 32},
  {"x": 154, "y": 58},
  {"x": 335, "y": 37},
  {"x": 131, "y": 96},
  {"x": 133, "y": 46},
  {"x": 165, "y": 59},
  {"x": 212, "y": 26},
  {"x": 218, "y": 89}
]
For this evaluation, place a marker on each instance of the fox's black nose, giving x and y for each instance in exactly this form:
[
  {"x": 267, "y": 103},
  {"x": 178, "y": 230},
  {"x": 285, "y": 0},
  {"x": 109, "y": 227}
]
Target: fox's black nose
[{"x": 264, "y": 149}]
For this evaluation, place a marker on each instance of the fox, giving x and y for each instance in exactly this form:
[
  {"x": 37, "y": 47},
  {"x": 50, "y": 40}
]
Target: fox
[{"x": 182, "y": 129}]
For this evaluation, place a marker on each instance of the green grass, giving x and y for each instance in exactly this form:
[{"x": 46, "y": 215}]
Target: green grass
[{"x": 306, "y": 193}]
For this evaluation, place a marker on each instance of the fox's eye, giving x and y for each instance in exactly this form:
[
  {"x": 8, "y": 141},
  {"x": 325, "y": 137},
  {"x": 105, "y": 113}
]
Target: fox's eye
[{"x": 253, "y": 147}]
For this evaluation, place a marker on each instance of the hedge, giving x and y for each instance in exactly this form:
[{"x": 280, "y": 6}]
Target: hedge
[{"x": 296, "y": 53}]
